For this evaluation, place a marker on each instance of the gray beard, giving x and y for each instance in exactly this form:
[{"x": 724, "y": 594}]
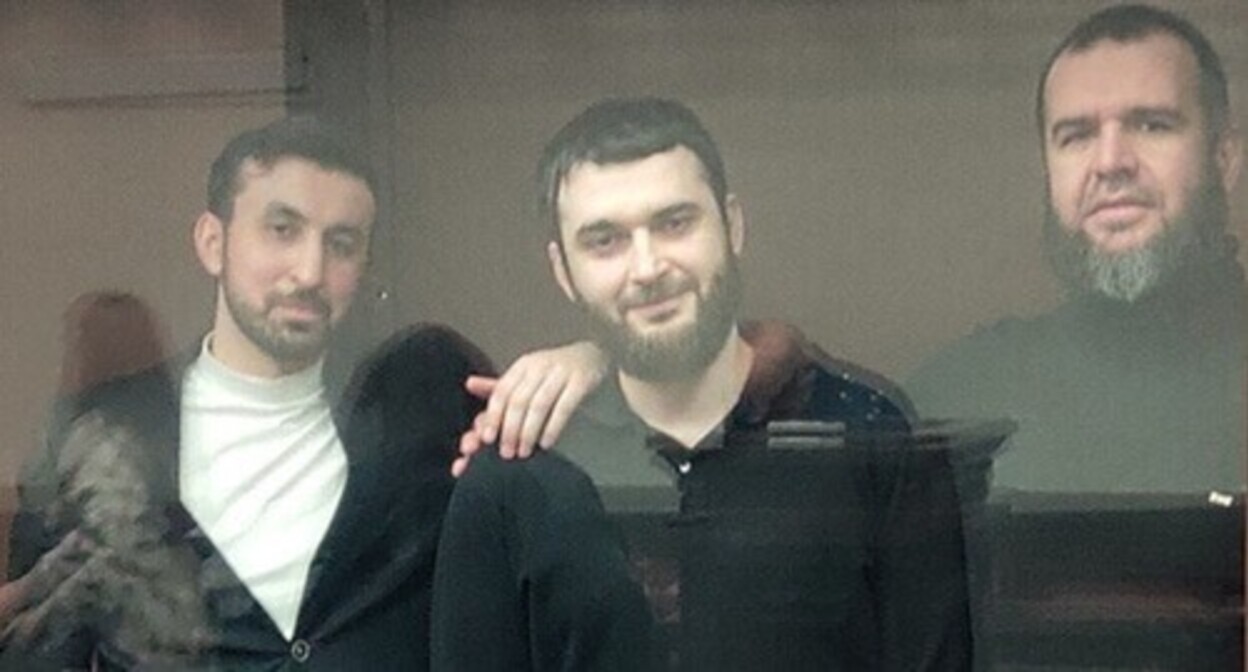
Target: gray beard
[
  {"x": 1129, "y": 276},
  {"x": 681, "y": 355}
]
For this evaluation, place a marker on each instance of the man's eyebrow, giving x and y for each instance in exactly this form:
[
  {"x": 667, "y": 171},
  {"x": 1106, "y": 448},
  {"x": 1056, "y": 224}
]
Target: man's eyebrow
[
  {"x": 594, "y": 227},
  {"x": 346, "y": 228},
  {"x": 1166, "y": 112},
  {"x": 280, "y": 210},
  {"x": 676, "y": 209}
]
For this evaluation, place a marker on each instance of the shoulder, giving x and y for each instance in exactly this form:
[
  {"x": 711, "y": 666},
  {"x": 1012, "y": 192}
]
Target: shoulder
[
  {"x": 794, "y": 378},
  {"x": 865, "y": 387},
  {"x": 408, "y": 396},
  {"x": 985, "y": 363},
  {"x": 861, "y": 398},
  {"x": 142, "y": 401},
  {"x": 432, "y": 346},
  {"x": 1008, "y": 335},
  {"x": 1010, "y": 338},
  {"x": 417, "y": 361}
]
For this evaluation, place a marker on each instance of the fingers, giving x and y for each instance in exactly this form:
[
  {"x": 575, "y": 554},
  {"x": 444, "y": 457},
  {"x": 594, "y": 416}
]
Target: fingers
[
  {"x": 549, "y": 393},
  {"x": 527, "y": 406},
  {"x": 534, "y": 399},
  {"x": 469, "y": 444},
  {"x": 589, "y": 365},
  {"x": 480, "y": 387},
  {"x": 569, "y": 399},
  {"x": 500, "y": 395},
  {"x": 459, "y": 466},
  {"x": 560, "y": 378}
]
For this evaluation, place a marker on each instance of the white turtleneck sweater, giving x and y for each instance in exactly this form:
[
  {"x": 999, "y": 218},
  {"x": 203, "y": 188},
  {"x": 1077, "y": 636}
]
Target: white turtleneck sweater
[{"x": 261, "y": 470}]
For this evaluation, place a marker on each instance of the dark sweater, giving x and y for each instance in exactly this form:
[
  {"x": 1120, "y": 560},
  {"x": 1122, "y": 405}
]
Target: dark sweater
[{"x": 533, "y": 575}]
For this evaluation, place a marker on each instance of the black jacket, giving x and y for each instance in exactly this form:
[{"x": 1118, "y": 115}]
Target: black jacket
[{"x": 366, "y": 603}]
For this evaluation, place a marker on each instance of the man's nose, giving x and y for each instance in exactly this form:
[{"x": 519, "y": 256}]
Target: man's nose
[
  {"x": 645, "y": 264},
  {"x": 308, "y": 266},
  {"x": 1115, "y": 154}
]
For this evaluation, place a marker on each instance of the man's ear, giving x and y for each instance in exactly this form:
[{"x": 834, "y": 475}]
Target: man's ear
[
  {"x": 559, "y": 266},
  {"x": 735, "y": 216},
  {"x": 209, "y": 238},
  {"x": 1229, "y": 155}
]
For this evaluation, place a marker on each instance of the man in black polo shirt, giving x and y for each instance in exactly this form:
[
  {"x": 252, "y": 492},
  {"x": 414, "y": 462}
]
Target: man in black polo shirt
[{"x": 645, "y": 240}]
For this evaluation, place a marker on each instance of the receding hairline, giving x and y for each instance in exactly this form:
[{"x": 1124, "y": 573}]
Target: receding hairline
[
  {"x": 1189, "y": 80},
  {"x": 1075, "y": 51},
  {"x": 1127, "y": 24}
]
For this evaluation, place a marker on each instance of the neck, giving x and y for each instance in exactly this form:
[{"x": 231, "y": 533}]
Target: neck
[{"x": 689, "y": 408}]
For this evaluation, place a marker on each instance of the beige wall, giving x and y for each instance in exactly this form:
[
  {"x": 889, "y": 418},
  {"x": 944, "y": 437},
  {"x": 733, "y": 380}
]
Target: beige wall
[
  {"x": 885, "y": 153},
  {"x": 98, "y": 194}
]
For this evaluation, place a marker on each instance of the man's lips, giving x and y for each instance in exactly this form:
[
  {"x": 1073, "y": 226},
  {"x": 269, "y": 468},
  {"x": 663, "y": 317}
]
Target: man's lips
[
  {"x": 651, "y": 308},
  {"x": 304, "y": 310},
  {"x": 1118, "y": 211}
]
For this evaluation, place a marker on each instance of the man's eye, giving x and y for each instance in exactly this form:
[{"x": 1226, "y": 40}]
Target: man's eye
[
  {"x": 600, "y": 242},
  {"x": 1154, "y": 125},
  {"x": 344, "y": 246},
  {"x": 673, "y": 225},
  {"x": 1073, "y": 138},
  {"x": 282, "y": 230}
]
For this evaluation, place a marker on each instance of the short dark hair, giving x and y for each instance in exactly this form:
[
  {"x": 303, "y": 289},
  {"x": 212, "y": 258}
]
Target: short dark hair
[
  {"x": 620, "y": 130},
  {"x": 291, "y": 137},
  {"x": 1127, "y": 23}
]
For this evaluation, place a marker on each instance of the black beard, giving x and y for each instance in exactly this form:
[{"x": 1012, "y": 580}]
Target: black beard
[
  {"x": 1194, "y": 236},
  {"x": 680, "y": 355},
  {"x": 283, "y": 344}
]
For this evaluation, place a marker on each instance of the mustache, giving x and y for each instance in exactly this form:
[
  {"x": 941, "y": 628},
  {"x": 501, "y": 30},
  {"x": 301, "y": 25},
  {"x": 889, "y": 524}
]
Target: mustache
[
  {"x": 654, "y": 292},
  {"x": 1129, "y": 195},
  {"x": 306, "y": 299}
]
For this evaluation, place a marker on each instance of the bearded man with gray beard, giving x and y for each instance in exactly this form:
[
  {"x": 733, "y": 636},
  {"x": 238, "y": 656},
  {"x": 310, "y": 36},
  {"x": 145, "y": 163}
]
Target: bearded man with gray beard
[{"x": 1136, "y": 382}]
